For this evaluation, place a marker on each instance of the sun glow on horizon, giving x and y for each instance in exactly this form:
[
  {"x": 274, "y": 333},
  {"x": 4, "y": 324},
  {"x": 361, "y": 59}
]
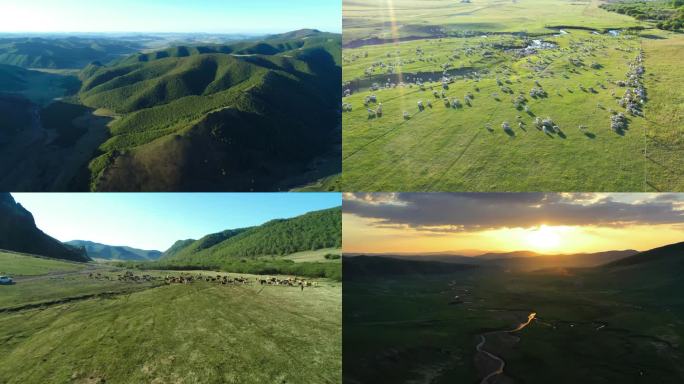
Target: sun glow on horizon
[
  {"x": 544, "y": 238},
  {"x": 362, "y": 235}
]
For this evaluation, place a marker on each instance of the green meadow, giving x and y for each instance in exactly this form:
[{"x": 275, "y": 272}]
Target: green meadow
[
  {"x": 491, "y": 140},
  {"x": 87, "y": 325}
]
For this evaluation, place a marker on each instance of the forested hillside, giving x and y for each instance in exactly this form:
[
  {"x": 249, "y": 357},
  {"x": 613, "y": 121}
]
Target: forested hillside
[
  {"x": 61, "y": 52},
  {"x": 216, "y": 117},
  {"x": 314, "y": 230}
]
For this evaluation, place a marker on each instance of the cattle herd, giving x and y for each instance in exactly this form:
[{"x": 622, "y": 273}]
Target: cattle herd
[{"x": 129, "y": 276}]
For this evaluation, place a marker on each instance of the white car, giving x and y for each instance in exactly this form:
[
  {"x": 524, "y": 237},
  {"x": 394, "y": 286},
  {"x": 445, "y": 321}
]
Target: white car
[{"x": 6, "y": 280}]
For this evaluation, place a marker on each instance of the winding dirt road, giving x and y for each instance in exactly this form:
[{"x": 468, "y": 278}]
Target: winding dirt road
[{"x": 502, "y": 363}]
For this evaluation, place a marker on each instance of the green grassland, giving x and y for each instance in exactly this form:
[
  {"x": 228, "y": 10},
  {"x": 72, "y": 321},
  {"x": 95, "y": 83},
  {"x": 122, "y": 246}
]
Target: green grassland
[
  {"x": 318, "y": 255},
  {"x": 96, "y": 330},
  {"x": 465, "y": 149},
  {"x": 17, "y": 264},
  {"x": 363, "y": 19},
  {"x": 591, "y": 327}
]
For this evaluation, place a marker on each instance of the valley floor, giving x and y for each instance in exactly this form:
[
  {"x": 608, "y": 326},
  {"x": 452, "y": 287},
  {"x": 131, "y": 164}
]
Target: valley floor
[
  {"x": 87, "y": 326},
  {"x": 461, "y": 327}
]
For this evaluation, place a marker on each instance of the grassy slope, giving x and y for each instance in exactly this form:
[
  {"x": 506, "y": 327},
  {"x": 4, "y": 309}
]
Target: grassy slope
[
  {"x": 665, "y": 113},
  {"x": 164, "y": 334},
  {"x": 15, "y": 264},
  {"x": 447, "y": 149},
  {"x": 315, "y": 256}
]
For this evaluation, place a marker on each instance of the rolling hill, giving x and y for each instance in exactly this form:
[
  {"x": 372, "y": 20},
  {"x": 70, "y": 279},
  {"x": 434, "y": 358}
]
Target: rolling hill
[
  {"x": 61, "y": 52},
  {"x": 313, "y": 230},
  {"x": 18, "y": 232},
  {"x": 374, "y": 266},
  {"x": 214, "y": 117},
  {"x": 112, "y": 252},
  {"x": 522, "y": 260},
  {"x": 669, "y": 254}
]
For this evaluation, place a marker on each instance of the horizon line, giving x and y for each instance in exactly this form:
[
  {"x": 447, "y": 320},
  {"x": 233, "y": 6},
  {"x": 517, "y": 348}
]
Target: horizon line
[{"x": 256, "y": 33}]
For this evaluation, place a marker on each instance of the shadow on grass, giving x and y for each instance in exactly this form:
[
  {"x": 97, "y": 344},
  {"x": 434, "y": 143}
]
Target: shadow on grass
[{"x": 590, "y": 135}]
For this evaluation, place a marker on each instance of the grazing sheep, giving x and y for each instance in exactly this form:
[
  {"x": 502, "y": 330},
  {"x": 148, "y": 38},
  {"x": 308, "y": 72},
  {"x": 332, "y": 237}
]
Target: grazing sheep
[
  {"x": 406, "y": 115},
  {"x": 421, "y": 107}
]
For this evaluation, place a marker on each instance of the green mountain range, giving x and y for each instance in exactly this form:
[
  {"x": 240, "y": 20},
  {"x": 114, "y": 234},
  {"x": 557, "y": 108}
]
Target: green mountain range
[
  {"x": 246, "y": 116},
  {"x": 61, "y": 52},
  {"x": 18, "y": 233},
  {"x": 311, "y": 231},
  {"x": 112, "y": 252}
]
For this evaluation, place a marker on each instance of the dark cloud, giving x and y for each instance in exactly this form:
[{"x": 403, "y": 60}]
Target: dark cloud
[{"x": 479, "y": 211}]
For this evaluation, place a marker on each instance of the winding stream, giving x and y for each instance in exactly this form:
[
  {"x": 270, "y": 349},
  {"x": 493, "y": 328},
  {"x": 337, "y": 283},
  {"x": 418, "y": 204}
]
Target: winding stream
[{"x": 492, "y": 356}]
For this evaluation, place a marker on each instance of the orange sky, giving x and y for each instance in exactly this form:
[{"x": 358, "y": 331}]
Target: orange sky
[{"x": 375, "y": 235}]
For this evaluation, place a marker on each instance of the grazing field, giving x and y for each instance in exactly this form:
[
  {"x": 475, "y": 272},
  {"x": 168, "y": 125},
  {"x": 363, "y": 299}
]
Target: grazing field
[
  {"x": 409, "y": 19},
  {"x": 117, "y": 326},
  {"x": 317, "y": 255},
  {"x": 588, "y": 327},
  {"x": 560, "y": 105},
  {"x": 17, "y": 264}
]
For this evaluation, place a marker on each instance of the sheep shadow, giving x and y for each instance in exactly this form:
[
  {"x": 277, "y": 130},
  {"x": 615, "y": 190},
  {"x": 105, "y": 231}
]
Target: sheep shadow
[
  {"x": 561, "y": 134},
  {"x": 509, "y": 132},
  {"x": 590, "y": 135}
]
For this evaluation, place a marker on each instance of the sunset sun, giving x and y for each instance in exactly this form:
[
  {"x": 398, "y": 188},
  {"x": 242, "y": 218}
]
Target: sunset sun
[{"x": 544, "y": 238}]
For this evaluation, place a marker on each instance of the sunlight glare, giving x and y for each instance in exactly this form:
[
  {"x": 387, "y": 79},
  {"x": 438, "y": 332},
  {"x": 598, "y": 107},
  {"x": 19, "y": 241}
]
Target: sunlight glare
[{"x": 544, "y": 238}]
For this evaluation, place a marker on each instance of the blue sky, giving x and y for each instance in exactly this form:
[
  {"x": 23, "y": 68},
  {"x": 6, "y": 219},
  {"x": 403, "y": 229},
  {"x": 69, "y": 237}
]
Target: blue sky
[
  {"x": 157, "y": 220},
  {"x": 214, "y": 16}
]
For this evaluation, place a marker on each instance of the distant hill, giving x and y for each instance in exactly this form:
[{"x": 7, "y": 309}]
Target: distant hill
[
  {"x": 314, "y": 230},
  {"x": 523, "y": 260},
  {"x": 653, "y": 277},
  {"x": 245, "y": 116},
  {"x": 18, "y": 232},
  {"x": 535, "y": 261},
  {"x": 673, "y": 253},
  {"x": 504, "y": 255},
  {"x": 370, "y": 266},
  {"x": 61, "y": 52},
  {"x": 177, "y": 247},
  {"x": 111, "y": 252}
]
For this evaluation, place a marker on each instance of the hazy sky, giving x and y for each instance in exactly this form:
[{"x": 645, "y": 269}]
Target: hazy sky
[
  {"x": 551, "y": 223},
  {"x": 157, "y": 220},
  {"x": 215, "y": 16}
]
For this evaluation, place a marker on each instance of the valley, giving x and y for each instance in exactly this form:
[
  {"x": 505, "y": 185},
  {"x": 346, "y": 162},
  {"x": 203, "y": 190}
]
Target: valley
[
  {"x": 102, "y": 329},
  {"x": 618, "y": 322},
  {"x": 261, "y": 303},
  {"x": 181, "y": 115}
]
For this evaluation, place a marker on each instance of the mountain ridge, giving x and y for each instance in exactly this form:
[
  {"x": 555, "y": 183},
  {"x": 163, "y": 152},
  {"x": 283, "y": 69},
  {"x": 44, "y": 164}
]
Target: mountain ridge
[
  {"x": 114, "y": 252},
  {"x": 19, "y": 233}
]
